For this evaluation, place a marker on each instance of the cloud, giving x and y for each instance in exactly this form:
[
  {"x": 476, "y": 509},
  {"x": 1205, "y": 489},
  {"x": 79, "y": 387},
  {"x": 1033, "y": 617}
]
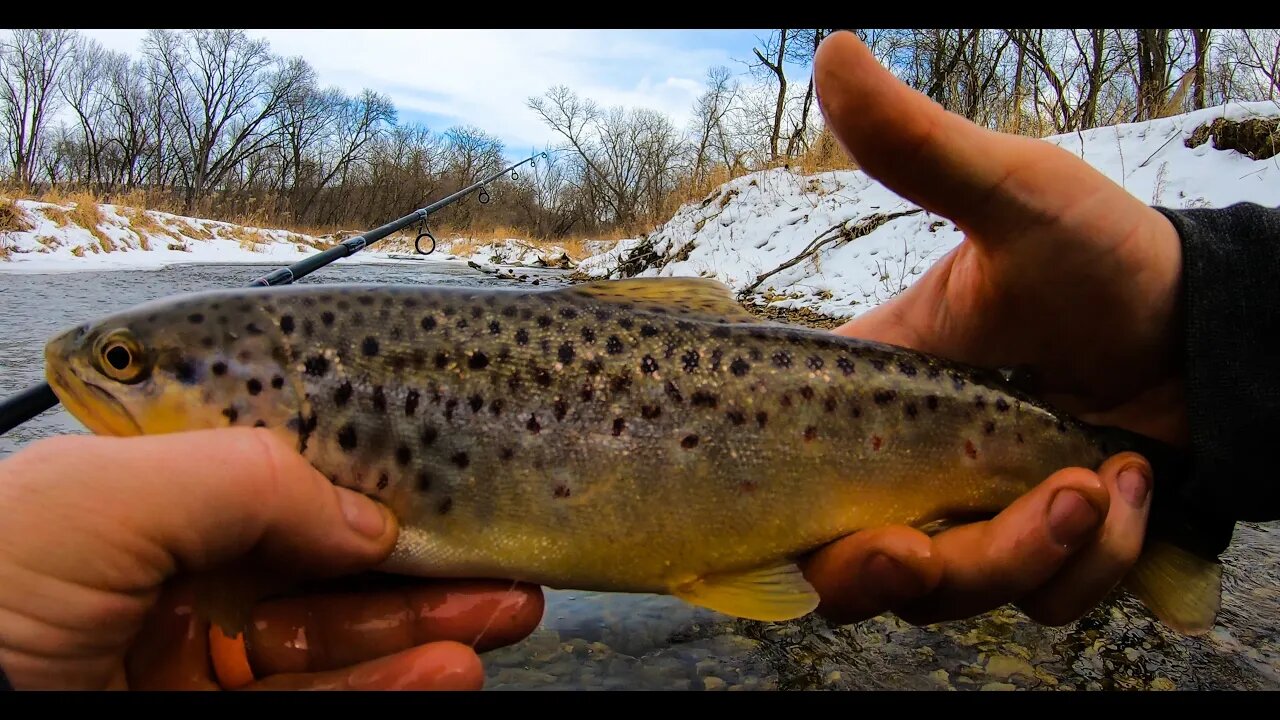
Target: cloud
[{"x": 485, "y": 77}]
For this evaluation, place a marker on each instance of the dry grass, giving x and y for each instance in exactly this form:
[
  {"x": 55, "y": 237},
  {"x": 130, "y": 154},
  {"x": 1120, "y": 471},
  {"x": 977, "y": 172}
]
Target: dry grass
[
  {"x": 12, "y": 219},
  {"x": 78, "y": 251}
]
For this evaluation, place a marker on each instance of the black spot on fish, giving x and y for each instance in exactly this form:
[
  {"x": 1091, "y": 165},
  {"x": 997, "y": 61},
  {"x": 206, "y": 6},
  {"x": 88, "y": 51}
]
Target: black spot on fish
[
  {"x": 185, "y": 372},
  {"x": 594, "y": 366},
  {"x": 587, "y": 393},
  {"x": 648, "y": 331},
  {"x": 829, "y": 404},
  {"x": 877, "y": 363},
  {"x": 429, "y": 435},
  {"x": 462, "y": 323},
  {"x": 449, "y": 406},
  {"x": 476, "y": 312},
  {"x": 1019, "y": 437},
  {"x": 810, "y": 433},
  {"x": 739, "y": 367},
  {"x": 445, "y": 506},
  {"x": 684, "y": 325},
  {"x": 690, "y": 360},
  {"x": 316, "y": 365},
  {"x": 814, "y": 362},
  {"x": 219, "y": 368},
  {"x": 720, "y": 332},
  {"x": 648, "y": 365},
  {"x": 526, "y": 314},
  {"x": 560, "y": 408},
  {"x": 786, "y": 400},
  {"x": 364, "y": 300},
  {"x": 736, "y": 417},
  {"x": 379, "y": 399},
  {"x": 260, "y": 423},
  {"x": 475, "y": 402},
  {"x": 478, "y": 361},
  {"x": 347, "y": 437},
  {"x": 428, "y": 323},
  {"x": 715, "y": 358},
  {"x": 980, "y": 402},
  {"x": 541, "y": 376},
  {"x": 450, "y": 311},
  {"x": 1001, "y": 405},
  {"x": 277, "y": 382},
  {"x": 208, "y": 341},
  {"x": 442, "y": 359},
  {"x": 845, "y": 365},
  {"x": 533, "y": 425},
  {"x": 326, "y": 317},
  {"x": 231, "y": 414},
  {"x": 931, "y": 402},
  {"x": 673, "y": 392},
  {"x": 568, "y": 313},
  {"x": 513, "y": 382},
  {"x": 702, "y": 398},
  {"x": 423, "y": 481},
  {"x": 910, "y": 409},
  {"x": 806, "y": 392},
  {"x": 545, "y": 344},
  {"x": 383, "y": 481},
  {"x": 460, "y": 459},
  {"x": 762, "y": 418},
  {"x": 1062, "y": 426},
  {"x": 522, "y": 337},
  {"x": 195, "y": 318},
  {"x": 561, "y": 491},
  {"x": 494, "y": 327},
  {"x": 509, "y": 311},
  {"x": 565, "y": 353},
  {"x": 649, "y": 412},
  {"x": 614, "y": 345},
  {"x": 782, "y": 360},
  {"x": 495, "y": 406},
  {"x": 254, "y": 386},
  {"x": 411, "y": 403},
  {"x": 625, "y": 323},
  {"x": 689, "y": 442},
  {"x": 618, "y": 425},
  {"x": 883, "y": 397},
  {"x": 620, "y": 383},
  {"x": 253, "y": 329},
  {"x": 403, "y": 455},
  {"x": 588, "y": 335},
  {"x": 856, "y": 411},
  {"x": 989, "y": 427},
  {"x": 957, "y": 381},
  {"x": 308, "y": 327},
  {"x": 506, "y": 454},
  {"x": 544, "y": 321},
  {"x": 370, "y": 346},
  {"x": 906, "y": 368}
]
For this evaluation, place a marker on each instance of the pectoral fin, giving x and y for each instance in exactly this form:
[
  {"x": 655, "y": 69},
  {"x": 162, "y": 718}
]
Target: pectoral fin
[
  {"x": 771, "y": 594},
  {"x": 1180, "y": 588}
]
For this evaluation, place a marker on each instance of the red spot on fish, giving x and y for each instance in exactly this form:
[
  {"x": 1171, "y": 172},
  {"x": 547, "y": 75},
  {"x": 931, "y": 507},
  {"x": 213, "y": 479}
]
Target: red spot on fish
[
  {"x": 876, "y": 442},
  {"x": 562, "y": 491},
  {"x": 746, "y": 486},
  {"x": 970, "y": 450}
]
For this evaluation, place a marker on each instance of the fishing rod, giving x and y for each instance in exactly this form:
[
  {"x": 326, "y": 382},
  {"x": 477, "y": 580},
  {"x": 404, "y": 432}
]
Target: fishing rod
[{"x": 27, "y": 404}]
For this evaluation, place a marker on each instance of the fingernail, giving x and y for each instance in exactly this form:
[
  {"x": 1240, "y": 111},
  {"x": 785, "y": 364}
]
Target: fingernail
[
  {"x": 363, "y": 515},
  {"x": 893, "y": 579},
  {"x": 1133, "y": 485},
  {"x": 1071, "y": 518}
]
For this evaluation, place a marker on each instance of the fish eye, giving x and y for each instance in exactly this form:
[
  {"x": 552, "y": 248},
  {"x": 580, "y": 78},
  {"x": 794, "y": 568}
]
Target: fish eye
[{"x": 120, "y": 357}]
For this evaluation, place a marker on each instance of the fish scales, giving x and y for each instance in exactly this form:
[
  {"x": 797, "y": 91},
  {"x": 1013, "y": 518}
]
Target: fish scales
[{"x": 627, "y": 437}]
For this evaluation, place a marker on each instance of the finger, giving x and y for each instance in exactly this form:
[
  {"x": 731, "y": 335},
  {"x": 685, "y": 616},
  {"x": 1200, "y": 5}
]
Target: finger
[
  {"x": 171, "y": 651},
  {"x": 992, "y": 563},
  {"x": 438, "y": 666},
  {"x": 195, "y": 500},
  {"x": 1087, "y": 578},
  {"x": 867, "y": 573},
  {"x": 335, "y": 630},
  {"x": 932, "y": 157}
]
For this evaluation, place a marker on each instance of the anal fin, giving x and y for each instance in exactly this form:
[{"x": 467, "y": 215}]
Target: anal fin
[
  {"x": 1183, "y": 590},
  {"x": 770, "y": 594}
]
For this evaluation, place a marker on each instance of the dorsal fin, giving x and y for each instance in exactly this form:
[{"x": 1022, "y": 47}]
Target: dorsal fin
[{"x": 702, "y": 297}]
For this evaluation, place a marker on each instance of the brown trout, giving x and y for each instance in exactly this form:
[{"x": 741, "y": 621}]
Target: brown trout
[{"x": 644, "y": 435}]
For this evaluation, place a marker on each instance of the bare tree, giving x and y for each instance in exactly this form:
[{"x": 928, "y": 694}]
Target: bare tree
[
  {"x": 776, "y": 46},
  {"x": 29, "y": 64}
]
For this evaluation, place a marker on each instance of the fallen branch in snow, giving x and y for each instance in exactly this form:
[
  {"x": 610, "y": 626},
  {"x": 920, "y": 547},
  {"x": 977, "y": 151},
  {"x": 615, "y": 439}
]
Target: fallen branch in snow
[{"x": 841, "y": 232}]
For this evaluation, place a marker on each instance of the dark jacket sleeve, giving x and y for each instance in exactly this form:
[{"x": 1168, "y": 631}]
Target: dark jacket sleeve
[{"x": 1231, "y": 306}]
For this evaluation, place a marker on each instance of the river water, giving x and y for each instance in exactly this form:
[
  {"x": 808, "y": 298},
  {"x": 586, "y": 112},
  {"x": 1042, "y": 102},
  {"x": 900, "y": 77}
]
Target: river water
[{"x": 607, "y": 641}]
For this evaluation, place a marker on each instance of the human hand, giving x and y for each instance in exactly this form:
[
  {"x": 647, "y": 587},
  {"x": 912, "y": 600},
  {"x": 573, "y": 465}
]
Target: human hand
[
  {"x": 1061, "y": 272},
  {"x": 98, "y": 537}
]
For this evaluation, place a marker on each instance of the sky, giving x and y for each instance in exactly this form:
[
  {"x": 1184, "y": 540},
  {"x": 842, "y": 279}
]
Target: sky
[{"x": 442, "y": 78}]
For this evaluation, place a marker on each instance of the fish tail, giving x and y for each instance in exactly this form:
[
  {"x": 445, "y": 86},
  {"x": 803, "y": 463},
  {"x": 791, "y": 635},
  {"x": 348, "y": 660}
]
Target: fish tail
[{"x": 1178, "y": 575}]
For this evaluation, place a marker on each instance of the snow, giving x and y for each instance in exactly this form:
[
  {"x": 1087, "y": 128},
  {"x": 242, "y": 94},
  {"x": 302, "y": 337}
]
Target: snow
[
  {"x": 757, "y": 222},
  {"x": 55, "y": 241}
]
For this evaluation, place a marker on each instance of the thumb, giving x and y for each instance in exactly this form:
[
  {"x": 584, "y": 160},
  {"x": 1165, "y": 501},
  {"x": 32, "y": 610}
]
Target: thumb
[{"x": 130, "y": 512}]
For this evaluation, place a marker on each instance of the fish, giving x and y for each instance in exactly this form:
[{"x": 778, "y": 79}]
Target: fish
[{"x": 643, "y": 435}]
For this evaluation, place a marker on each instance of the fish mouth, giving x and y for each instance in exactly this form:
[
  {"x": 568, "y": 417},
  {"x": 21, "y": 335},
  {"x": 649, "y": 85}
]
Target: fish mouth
[{"x": 95, "y": 407}]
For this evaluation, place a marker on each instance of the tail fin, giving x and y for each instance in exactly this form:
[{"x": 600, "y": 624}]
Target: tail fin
[{"x": 1178, "y": 575}]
